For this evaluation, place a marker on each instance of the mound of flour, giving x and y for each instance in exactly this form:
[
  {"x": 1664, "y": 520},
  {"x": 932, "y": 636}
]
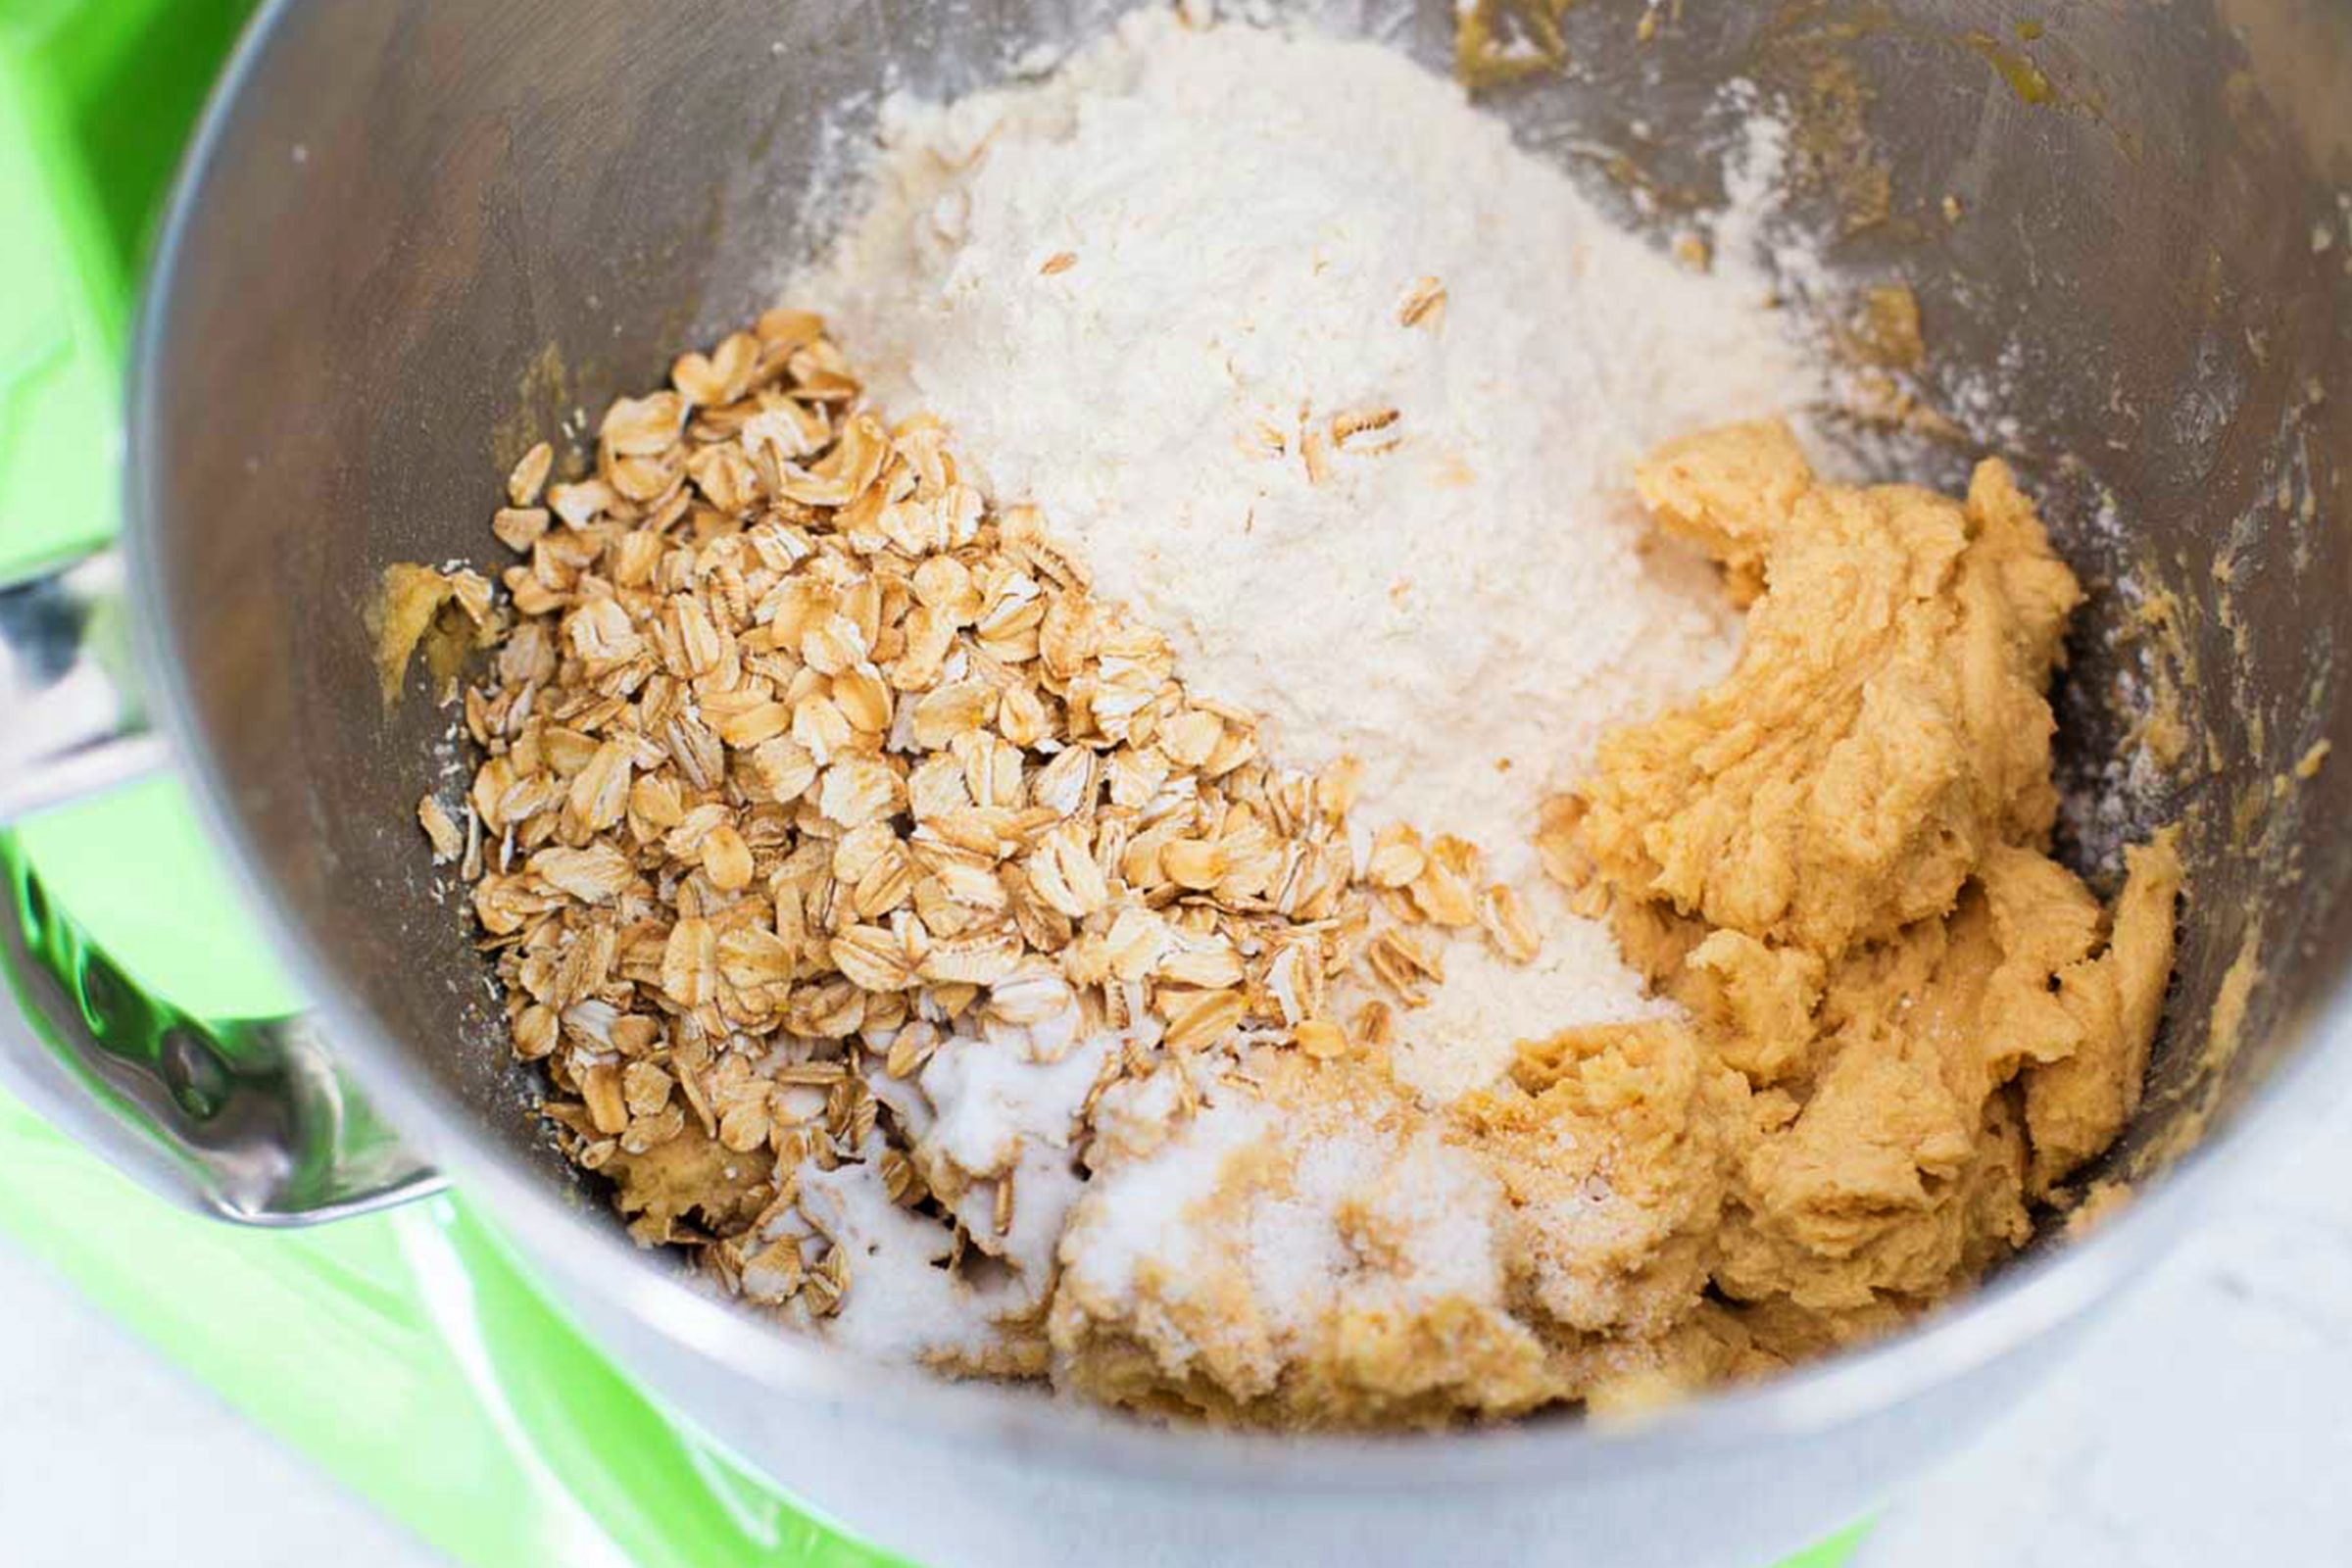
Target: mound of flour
[{"x": 1342, "y": 391}]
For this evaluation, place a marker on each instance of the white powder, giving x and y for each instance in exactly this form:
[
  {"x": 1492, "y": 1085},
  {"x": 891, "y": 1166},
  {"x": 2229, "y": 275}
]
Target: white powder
[
  {"x": 1242, "y": 213},
  {"x": 1264, "y": 1215},
  {"x": 1139, "y": 1213},
  {"x": 1004, "y": 1102},
  {"x": 1001, "y": 1110},
  {"x": 1466, "y": 1037},
  {"x": 902, "y": 1305},
  {"x": 991, "y": 1094}
]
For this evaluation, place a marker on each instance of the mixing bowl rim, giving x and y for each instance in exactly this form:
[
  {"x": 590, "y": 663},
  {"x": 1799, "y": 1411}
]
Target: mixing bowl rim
[{"x": 2033, "y": 1297}]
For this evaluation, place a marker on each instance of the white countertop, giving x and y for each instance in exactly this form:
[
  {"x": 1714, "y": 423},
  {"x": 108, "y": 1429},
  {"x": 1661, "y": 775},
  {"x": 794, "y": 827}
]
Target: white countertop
[{"x": 2207, "y": 1420}]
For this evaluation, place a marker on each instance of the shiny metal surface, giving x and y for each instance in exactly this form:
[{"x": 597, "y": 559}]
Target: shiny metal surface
[
  {"x": 70, "y": 722},
  {"x": 418, "y": 233},
  {"x": 252, "y": 1121}
]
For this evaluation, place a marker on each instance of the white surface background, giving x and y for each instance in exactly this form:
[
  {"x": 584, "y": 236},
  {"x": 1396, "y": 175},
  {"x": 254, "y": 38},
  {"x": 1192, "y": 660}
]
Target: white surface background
[{"x": 2207, "y": 1420}]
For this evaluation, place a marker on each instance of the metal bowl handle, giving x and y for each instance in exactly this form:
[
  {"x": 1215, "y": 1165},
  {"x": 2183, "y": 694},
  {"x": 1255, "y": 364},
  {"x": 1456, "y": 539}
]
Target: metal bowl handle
[
  {"x": 71, "y": 719},
  {"x": 249, "y": 1121}
]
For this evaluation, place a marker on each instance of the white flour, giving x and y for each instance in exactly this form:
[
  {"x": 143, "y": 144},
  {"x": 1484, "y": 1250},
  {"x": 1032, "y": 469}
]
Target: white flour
[{"x": 1131, "y": 288}]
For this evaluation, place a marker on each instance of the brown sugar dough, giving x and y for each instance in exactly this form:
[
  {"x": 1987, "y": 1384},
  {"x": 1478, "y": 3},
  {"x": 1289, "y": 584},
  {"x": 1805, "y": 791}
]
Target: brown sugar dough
[
  {"x": 1836, "y": 860},
  {"x": 1312, "y": 1253},
  {"x": 1902, "y": 1021},
  {"x": 1338, "y": 1255},
  {"x": 688, "y": 1181},
  {"x": 1886, "y": 723}
]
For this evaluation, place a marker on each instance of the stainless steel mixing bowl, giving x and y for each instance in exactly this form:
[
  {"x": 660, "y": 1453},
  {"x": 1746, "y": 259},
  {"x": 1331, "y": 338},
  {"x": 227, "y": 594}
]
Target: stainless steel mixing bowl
[{"x": 415, "y": 233}]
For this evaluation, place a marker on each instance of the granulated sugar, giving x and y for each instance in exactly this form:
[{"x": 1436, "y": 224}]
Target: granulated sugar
[
  {"x": 1256, "y": 1224},
  {"x": 1332, "y": 382}
]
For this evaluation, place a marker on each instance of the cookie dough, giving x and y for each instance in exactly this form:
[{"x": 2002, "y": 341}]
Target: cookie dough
[{"x": 1900, "y": 1023}]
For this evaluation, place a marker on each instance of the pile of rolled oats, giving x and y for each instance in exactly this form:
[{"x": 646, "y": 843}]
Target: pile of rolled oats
[{"x": 840, "y": 851}]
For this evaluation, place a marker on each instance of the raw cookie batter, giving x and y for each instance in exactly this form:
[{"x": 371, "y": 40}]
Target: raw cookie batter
[{"x": 1901, "y": 1024}]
